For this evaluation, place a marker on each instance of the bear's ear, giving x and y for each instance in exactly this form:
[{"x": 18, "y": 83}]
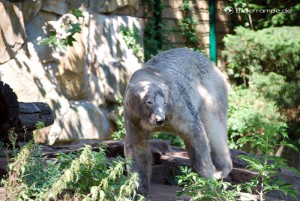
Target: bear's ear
[
  {"x": 130, "y": 94},
  {"x": 130, "y": 85},
  {"x": 130, "y": 89}
]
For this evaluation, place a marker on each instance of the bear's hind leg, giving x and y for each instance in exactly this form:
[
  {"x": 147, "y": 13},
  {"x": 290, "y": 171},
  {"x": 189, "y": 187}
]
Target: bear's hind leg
[
  {"x": 198, "y": 149},
  {"x": 216, "y": 129}
]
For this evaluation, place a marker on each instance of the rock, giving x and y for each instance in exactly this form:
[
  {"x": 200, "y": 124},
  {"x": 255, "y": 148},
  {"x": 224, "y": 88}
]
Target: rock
[
  {"x": 288, "y": 177},
  {"x": 99, "y": 64},
  {"x": 160, "y": 174},
  {"x": 109, "y": 6},
  {"x": 238, "y": 176},
  {"x": 35, "y": 29},
  {"x": 237, "y": 162},
  {"x": 95, "y": 94},
  {"x": 109, "y": 58},
  {"x": 12, "y": 35},
  {"x": 30, "y": 9},
  {"x": 32, "y": 85},
  {"x": 18, "y": 74},
  {"x": 62, "y": 7},
  {"x": 71, "y": 73},
  {"x": 94, "y": 72},
  {"x": 82, "y": 120}
]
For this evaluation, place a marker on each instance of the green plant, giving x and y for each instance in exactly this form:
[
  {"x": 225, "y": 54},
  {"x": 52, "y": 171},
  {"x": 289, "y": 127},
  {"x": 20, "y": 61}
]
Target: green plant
[
  {"x": 155, "y": 31},
  {"x": 12, "y": 137},
  {"x": 133, "y": 41},
  {"x": 14, "y": 188},
  {"x": 39, "y": 125},
  {"x": 269, "y": 50},
  {"x": 62, "y": 36},
  {"x": 188, "y": 26},
  {"x": 268, "y": 64},
  {"x": 206, "y": 189},
  {"x": 268, "y": 166},
  {"x": 248, "y": 113},
  {"x": 269, "y": 99},
  {"x": 86, "y": 176},
  {"x": 120, "y": 133}
]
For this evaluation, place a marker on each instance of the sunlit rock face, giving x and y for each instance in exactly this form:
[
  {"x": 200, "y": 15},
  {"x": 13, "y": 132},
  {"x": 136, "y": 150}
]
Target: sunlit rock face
[
  {"x": 82, "y": 83},
  {"x": 12, "y": 31}
]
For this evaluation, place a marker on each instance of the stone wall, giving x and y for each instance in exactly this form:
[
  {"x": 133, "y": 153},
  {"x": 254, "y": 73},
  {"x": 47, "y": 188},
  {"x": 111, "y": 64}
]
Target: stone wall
[
  {"x": 83, "y": 84},
  {"x": 172, "y": 14}
]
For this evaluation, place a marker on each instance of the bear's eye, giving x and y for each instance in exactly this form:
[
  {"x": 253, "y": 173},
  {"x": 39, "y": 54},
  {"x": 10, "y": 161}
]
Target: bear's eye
[{"x": 149, "y": 102}]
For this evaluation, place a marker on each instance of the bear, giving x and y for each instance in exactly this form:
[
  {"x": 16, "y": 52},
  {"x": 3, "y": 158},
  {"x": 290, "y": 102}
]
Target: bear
[{"x": 182, "y": 92}]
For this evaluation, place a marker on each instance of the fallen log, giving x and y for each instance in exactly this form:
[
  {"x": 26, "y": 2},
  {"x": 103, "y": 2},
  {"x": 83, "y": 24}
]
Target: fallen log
[
  {"x": 19, "y": 115},
  {"x": 31, "y": 113}
]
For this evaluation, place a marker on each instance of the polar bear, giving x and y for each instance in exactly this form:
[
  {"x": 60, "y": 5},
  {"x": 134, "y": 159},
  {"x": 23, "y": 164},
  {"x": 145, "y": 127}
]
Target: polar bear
[{"x": 182, "y": 92}]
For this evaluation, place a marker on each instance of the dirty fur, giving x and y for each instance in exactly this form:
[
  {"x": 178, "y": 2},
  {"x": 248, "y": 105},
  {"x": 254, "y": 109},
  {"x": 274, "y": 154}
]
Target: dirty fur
[{"x": 182, "y": 92}]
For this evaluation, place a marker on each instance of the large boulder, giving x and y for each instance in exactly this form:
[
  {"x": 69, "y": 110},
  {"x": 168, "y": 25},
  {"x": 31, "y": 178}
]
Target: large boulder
[
  {"x": 83, "y": 120},
  {"x": 12, "y": 34},
  {"x": 71, "y": 73},
  {"x": 35, "y": 29},
  {"x": 61, "y": 7},
  {"x": 110, "y": 6},
  {"x": 109, "y": 58}
]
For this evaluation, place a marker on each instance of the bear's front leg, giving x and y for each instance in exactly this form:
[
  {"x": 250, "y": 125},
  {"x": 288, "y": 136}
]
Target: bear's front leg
[
  {"x": 137, "y": 151},
  {"x": 197, "y": 145}
]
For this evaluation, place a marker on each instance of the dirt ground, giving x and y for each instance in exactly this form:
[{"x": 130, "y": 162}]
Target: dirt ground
[{"x": 160, "y": 192}]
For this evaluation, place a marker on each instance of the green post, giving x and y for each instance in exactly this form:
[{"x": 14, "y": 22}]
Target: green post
[{"x": 212, "y": 31}]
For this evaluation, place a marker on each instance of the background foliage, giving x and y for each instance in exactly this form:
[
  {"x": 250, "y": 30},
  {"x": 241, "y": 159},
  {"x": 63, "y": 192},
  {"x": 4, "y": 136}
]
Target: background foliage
[
  {"x": 289, "y": 13},
  {"x": 265, "y": 65}
]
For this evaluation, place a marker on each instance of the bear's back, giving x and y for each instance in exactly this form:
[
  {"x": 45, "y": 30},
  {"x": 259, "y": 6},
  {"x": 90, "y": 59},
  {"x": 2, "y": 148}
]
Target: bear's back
[{"x": 182, "y": 62}]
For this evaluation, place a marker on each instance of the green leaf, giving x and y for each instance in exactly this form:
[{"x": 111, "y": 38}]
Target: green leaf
[{"x": 77, "y": 13}]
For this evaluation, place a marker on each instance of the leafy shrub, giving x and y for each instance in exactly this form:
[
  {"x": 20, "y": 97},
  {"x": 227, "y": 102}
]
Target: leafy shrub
[
  {"x": 120, "y": 133},
  {"x": 133, "y": 41},
  {"x": 285, "y": 95},
  {"x": 188, "y": 26},
  {"x": 155, "y": 31},
  {"x": 267, "y": 168},
  {"x": 268, "y": 62},
  {"x": 62, "y": 36},
  {"x": 205, "y": 189},
  {"x": 266, "y": 140},
  {"x": 250, "y": 112},
  {"x": 269, "y": 50},
  {"x": 87, "y": 176},
  {"x": 275, "y": 88}
]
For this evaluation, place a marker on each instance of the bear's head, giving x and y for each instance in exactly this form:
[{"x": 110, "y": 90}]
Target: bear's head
[{"x": 147, "y": 102}]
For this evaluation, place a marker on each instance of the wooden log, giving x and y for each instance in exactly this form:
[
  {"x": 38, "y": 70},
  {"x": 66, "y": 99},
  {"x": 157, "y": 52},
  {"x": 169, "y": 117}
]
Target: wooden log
[
  {"x": 31, "y": 113},
  {"x": 19, "y": 115}
]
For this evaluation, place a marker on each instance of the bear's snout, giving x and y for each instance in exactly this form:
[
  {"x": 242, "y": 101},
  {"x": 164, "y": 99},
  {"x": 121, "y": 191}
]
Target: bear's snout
[{"x": 160, "y": 120}]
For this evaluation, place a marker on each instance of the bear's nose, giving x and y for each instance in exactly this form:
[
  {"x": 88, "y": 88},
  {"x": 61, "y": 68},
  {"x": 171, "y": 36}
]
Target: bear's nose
[{"x": 160, "y": 120}]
